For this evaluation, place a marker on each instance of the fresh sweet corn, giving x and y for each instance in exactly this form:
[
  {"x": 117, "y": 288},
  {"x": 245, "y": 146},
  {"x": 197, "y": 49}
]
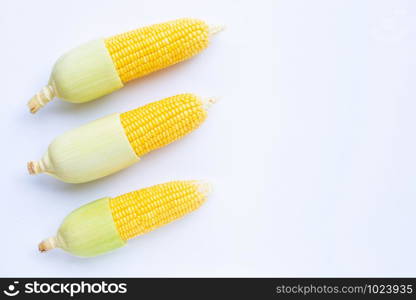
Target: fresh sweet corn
[
  {"x": 108, "y": 223},
  {"x": 100, "y": 67},
  {"x": 109, "y": 144}
]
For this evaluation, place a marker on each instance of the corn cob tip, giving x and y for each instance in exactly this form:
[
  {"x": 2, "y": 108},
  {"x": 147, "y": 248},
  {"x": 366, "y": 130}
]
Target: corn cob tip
[
  {"x": 35, "y": 167},
  {"x": 214, "y": 29},
  {"x": 208, "y": 102},
  {"x": 48, "y": 244},
  {"x": 205, "y": 188},
  {"x": 43, "y": 97}
]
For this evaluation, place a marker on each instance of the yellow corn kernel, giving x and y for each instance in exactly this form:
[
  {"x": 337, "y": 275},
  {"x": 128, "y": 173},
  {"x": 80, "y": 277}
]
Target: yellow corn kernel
[
  {"x": 141, "y": 211},
  {"x": 160, "y": 123},
  {"x": 144, "y": 50}
]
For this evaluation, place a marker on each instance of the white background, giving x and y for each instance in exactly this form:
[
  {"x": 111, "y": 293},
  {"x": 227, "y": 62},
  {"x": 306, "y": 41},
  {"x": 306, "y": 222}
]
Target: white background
[{"x": 311, "y": 148}]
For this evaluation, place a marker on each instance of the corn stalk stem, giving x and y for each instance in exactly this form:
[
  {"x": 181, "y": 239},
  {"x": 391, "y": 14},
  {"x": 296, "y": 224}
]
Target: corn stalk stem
[
  {"x": 44, "y": 96},
  {"x": 35, "y": 167},
  {"x": 48, "y": 244}
]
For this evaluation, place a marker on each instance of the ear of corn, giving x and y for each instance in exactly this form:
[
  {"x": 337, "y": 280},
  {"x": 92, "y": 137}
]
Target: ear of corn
[
  {"x": 106, "y": 224},
  {"x": 101, "y": 67},
  {"x": 110, "y": 144}
]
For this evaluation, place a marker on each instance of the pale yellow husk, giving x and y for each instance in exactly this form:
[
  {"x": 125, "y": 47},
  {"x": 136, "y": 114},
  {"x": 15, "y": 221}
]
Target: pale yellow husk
[{"x": 89, "y": 152}]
